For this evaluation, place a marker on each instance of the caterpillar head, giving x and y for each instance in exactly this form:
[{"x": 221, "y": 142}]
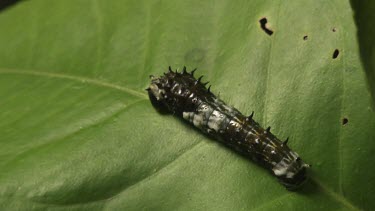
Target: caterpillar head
[
  {"x": 172, "y": 91},
  {"x": 156, "y": 93}
]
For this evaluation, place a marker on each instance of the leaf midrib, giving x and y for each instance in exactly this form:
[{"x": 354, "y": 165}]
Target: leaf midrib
[{"x": 80, "y": 79}]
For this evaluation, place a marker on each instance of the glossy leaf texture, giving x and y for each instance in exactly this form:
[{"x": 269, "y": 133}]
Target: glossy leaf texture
[{"x": 78, "y": 131}]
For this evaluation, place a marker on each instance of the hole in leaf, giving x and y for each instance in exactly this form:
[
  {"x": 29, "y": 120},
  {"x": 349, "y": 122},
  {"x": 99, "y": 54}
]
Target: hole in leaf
[
  {"x": 263, "y": 25},
  {"x": 335, "y": 54},
  {"x": 305, "y": 37},
  {"x": 345, "y": 121}
]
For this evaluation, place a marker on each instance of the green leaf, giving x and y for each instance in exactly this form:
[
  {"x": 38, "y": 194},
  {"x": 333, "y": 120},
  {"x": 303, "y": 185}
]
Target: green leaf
[{"x": 78, "y": 131}]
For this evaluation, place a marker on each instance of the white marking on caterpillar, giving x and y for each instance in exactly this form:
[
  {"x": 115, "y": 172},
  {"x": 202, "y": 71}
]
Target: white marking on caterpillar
[{"x": 215, "y": 120}]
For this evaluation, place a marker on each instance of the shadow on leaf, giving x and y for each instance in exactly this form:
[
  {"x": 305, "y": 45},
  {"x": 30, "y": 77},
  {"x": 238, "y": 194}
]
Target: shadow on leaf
[
  {"x": 4, "y": 4},
  {"x": 364, "y": 16}
]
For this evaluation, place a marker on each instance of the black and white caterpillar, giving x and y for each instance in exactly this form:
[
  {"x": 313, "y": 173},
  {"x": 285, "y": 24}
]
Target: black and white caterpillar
[{"x": 183, "y": 95}]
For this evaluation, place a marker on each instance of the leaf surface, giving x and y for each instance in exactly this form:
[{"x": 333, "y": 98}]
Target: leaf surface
[{"x": 78, "y": 131}]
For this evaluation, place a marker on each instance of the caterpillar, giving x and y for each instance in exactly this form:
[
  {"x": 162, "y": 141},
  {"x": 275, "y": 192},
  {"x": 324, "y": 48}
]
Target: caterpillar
[{"x": 181, "y": 94}]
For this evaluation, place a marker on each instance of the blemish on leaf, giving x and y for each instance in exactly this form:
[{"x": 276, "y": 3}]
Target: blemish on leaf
[
  {"x": 195, "y": 55},
  {"x": 345, "y": 121},
  {"x": 334, "y": 29},
  {"x": 335, "y": 54},
  {"x": 263, "y": 25},
  {"x": 305, "y": 37}
]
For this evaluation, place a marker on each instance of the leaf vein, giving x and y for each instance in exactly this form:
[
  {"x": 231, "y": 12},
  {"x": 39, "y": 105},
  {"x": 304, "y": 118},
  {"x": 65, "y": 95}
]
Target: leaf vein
[
  {"x": 267, "y": 73},
  {"x": 81, "y": 79},
  {"x": 72, "y": 133},
  {"x": 334, "y": 195},
  {"x": 191, "y": 148}
]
